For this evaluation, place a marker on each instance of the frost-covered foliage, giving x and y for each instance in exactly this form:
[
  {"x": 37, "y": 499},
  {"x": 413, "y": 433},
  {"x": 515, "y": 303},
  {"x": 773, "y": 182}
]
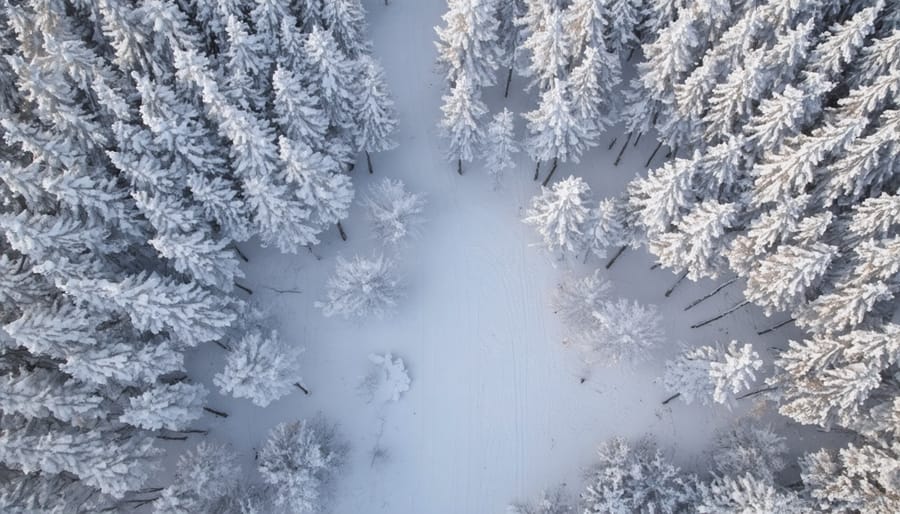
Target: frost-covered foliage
[
  {"x": 712, "y": 373},
  {"x": 744, "y": 448},
  {"x": 394, "y": 212},
  {"x": 635, "y": 478},
  {"x": 561, "y": 214},
  {"x": 607, "y": 330},
  {"x": 386, "y": 380},
  {"x": 260, "y": 367},
  {"x": 362, "y": 287},
  {"x": 748, "y": 493},
  {"x": 139, "y": 141},
  {"x": 203, "y": 477},
  {"x": 554, "y": 502},
  {"x": 500, "y": 145},
  {"x": 299, "y": 461}
]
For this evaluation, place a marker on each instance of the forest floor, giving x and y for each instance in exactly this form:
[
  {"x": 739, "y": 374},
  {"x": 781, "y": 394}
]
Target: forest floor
[{"x": 497, "y": 409}]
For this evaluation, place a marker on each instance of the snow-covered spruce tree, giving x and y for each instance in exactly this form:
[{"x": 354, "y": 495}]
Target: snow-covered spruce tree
[
  {"x": 500, "y": 145},
  {"x": 375, "y": 118},
  {"x": 462, "y": 123},
  {"x": 561, "y": 215},
  {"x": 623, "y": 331},
  {"x": 556, "y": 130},
  {"x": 298, "y": 461},
  {"x": 203, "y": 477},
  {"x": 362, "y": 287},
  {"x": 260, "y": 367},
  {"x": 635, "y": 478},
  {"x": 394, "y": 212},
  {"x": 468, "y": 42},
  {"x": 578, "y": 298},
  {"x": 747, "y": 493},
  {"x": 138, "y": 143},
  {"x": 745, "y": 447},
  {"x": 554, "y": 502},
  {"x": 712, "y": 373}
]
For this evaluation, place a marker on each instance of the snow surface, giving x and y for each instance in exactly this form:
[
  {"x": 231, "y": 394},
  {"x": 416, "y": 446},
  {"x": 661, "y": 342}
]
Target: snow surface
[{"x": 496, "y": 410}]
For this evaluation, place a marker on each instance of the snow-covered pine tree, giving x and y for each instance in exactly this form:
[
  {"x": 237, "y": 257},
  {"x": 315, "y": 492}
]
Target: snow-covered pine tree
[
  {"x": 747, "y": 493},
  {"x": 347, "y": 21},
  {"x": 298, "y": 461},
  {"x": 577, "y": 299},
  {"x": 203, "y": 476},
  {"x": 169, "y": 406},
  {"x": 500, "y": 145},
  {"x": 745, "y": 448},
  {"x": 260, "y": 367},
  {"x": 712, "y": 373},
  {"x": 461, "y": 123},
  {"x": 394, "y": 212},
  {"x": 556, "y": 130},
  {"x": 561, "y": 215},
  {"x": 362, "y": 287},
  {"x": 635, "y": 478},
  {"x": 623, "y": 331},
  {"x": 375, "y": 118},
  {"x": 549, "y": 48},
  {"x": 468, "y": 42}
]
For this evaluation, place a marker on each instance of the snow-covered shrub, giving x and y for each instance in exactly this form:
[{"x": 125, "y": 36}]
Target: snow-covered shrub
[
  {"x": 299, "y": 460},
  {"x": 362, "y": 287},
  {"x": 554, "y": 502},
  {"x": 386, "y": 380},
  {"x": 394, "y": 212},
  {"x": 260, "y": 367},
  {"x": 578, "y": 298}
]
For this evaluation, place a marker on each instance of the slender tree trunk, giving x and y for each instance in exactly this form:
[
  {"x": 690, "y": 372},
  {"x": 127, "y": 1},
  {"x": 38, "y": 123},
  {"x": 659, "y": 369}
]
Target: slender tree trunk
[
  {"x": 720, "y": 316},
  {"x": 150, "y": 490},
  {"x": 758, "y": 391},
  {"x": 351, "y": 167},
  {"x": 630, "y": 54},
  {"x": 311, "y": 252},
  {"x": 658, "y": 146},
  {"x": 508, "y": 81},
  {"x": 239, "y": 252},
  {"x": 243, "y": 288},
  {"x": 537, "y": 170},
  {"x": 193, "y": 431},
  {"x": 622, "y": 151},
  {"x": 654, "y": 266},
  {"x": 172, "y": 437},
  {"x": 222, "y": 345},
  {"x": 680, "y": 279},
  {"x": 612, "y": 143},
  {"x": 216, "y": 412},
  {"x": 459, "y": 166},
  {"x": 776, "y": 327},
  {"x": 637, "y": 139},
  {"x": 550, "y": 175},
  {"x": 702, "y": 299},
  {"x": 669, "y": 399},
  {"x": 369, "y": 161},
  {"x": 341, "y": 231},
  {"x": 616, "y": 256},
  {"x": 300, "y": 387}
]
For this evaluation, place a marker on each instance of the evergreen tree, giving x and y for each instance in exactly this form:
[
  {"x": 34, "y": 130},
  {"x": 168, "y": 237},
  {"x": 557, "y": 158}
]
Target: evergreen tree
[
  {"x": 712, "y": 373},
  {"x": 500, "y": 145},
  {"x": 467, "y": 44},
  {"x": 461, "y": 123},
  {"x": 561, "y": 215},
  {"x": 203, "y": 476},
  {"x": 394, "y": 212},
  {"x": 298, "y": 460},
  {"x": 362, "y": 287},
  {"x": 169, "y": 406},
  {"x": 260, "y": 367},
  {"x": 376, "y": 120}
]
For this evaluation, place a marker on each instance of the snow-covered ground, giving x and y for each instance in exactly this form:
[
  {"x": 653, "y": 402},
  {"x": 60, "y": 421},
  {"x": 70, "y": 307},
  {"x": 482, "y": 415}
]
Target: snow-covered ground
[{"x": 496, "y": 410}]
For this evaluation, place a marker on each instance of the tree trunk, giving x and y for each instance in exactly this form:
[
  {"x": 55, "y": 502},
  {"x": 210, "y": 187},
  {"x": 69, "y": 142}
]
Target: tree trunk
[
  {"x": 550, "y": 175},
  {"x": 240, "y": 253},
  {"x": 758, "y": 391},
  {"x": 622, "y": 151},
  {"x": 351, "y": 167},
  {"x": 654, "y": 266},
  {"x": 172, "y": 437},
  {"x": 243, "y": 288},
  {"x": 305, "y": 390},
  {"x": 637, "y": 139},
  {"x": 508, "y": 80},
  {"x": 669, "y": 399},
  {"x": 341, "y": 231},
  {"x": 710, "y": 295},
  {"x": 537, "y": 170},
  {"x": 222, "y": 346},
  {"x": 369, "y": 162},
  {"x": 672, "y": 289},
  {"x": 776, "y": 327},
  {"x": 647, "y": 164},
  {"x": 616, "y": 256},
  {"x": 720, "y": 316},
  {"x": 612, "y": 143},
  {"x": 216, "y": 412},
  {"x": 459, "y": 166}
]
